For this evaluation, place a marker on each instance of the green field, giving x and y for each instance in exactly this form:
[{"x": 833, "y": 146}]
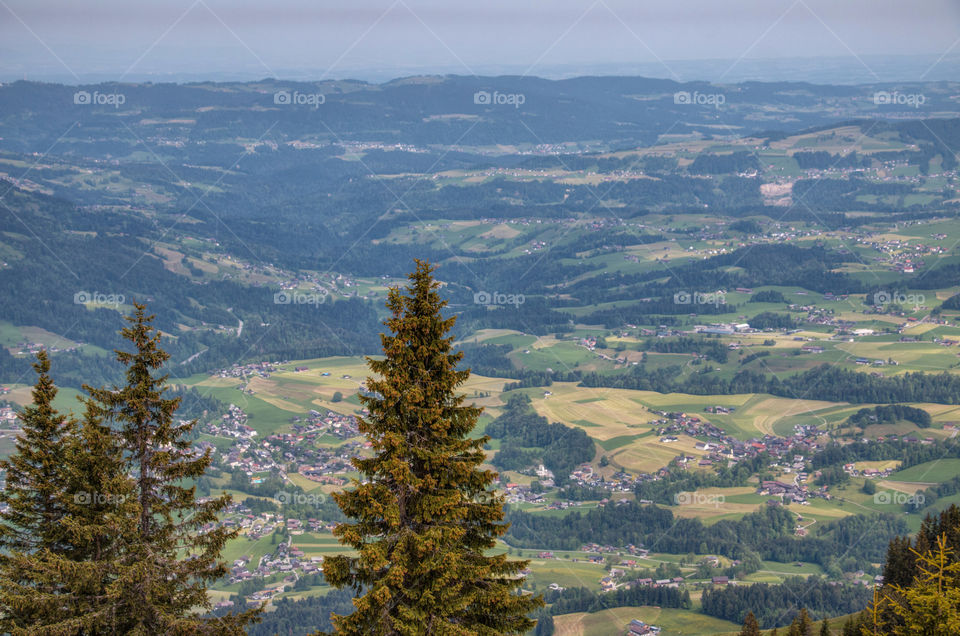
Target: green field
[{"x": 929, "y": 472}]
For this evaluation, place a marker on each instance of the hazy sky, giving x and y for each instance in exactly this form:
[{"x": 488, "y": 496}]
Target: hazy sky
[{"x": 132, "y": 39}]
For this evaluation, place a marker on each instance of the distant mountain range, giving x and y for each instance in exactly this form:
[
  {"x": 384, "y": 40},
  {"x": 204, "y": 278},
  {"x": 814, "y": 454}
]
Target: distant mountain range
[{"x": 819, "y": 70}]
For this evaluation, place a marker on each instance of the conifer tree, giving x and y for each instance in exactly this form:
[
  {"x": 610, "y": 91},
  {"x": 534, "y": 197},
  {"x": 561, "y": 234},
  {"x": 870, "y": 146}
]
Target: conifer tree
[
  {"x": 34, "y": 505},
  {"x": 35, "y": 481},
  {"x": 168, "y": 561},
  {"x": 801, "y": 625},
  {"x": 825, "y": 628},
  {"x": 902, "y": 567},
  {"x": 931, "y": 605},
  {"x": 69, "y": 591},
  {"x": 425, "y": 512},
  {"x": 750, "y": 626},
  {"x": 851, "y": 626}
]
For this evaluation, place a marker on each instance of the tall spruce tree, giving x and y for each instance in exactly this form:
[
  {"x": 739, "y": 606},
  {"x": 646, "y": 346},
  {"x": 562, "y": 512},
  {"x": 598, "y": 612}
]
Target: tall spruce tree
[
  {"x": 750, "y": 626},
  {"x": 424, "y": 512},
  {"x": 801, "y": 625},
  {"x": 34, "y": 505},
  {"x": 35, "y": 480},
  {"x": 171, "y": 556}
]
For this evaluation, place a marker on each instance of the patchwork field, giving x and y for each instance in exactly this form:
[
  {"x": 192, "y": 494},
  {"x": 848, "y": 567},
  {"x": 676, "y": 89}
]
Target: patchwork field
[
  {"x": 609, "y": 413},
  {"x": 272, "y": 402},
  {"x": 673, "y": 622}
]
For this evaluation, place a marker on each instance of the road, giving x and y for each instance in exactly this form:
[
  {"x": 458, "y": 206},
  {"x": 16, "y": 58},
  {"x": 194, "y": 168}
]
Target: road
[
  {"x": 239, "y": 323},
  {"x": 194, "y": 356}
]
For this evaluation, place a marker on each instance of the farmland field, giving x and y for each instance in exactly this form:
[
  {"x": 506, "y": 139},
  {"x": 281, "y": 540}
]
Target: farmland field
[{"x": 614, "y": 621}]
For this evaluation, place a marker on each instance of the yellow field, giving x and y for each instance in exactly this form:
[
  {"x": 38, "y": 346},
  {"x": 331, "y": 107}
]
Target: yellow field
[
  {"x": 878, "y": 465},
  {"x": 294, "y": 385},
  {"x": 618, "y": 414},
  {"x": 940, "y": 412},
  {"x": 710, "y": 502},
  {"x": 645, "y": 457},
  {"x": 267, "y": 390},
  {"x": 308, "y": 485},
  {"x": 578, "y": 624},
  {"x": 666, "y": 400},
  {"x": 908, "y": 487},
  {"x": 487, "y": 334},
  {"x": 501, "y": 231},
  {"x": 768, "y": 411},
  {"x": 614, "y": 413}
]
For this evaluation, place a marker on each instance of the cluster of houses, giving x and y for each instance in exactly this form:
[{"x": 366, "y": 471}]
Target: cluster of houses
[
  {"x": 233, "y": 424},
  {"x": 32, "y": 348},
  {"x": 871, "y": 473},
  {"x": 677, "y": 422},
  {"x": 639, "y": 628},
  {"x": 903, "y": 255},
  {"x": 335, "y": 424},
  {"x": 285, "y": 559},
  {"x": 620, "y": 481},
  {"x": 289, "y": 562},
  {"x": 793, "y": 492},
  {"x": 8, "y": 417},
  {"x": 253, "y": 369}
]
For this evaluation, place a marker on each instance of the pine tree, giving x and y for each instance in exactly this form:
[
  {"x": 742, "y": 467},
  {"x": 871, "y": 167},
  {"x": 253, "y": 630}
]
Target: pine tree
[
  {"x": 170, "y": 557},
  {"x": 825, "y": 628},
  {"x": 35, "y": 481},
  {"x": 56, "y": 578},
  {"x": 750, "y": 626},
  {"x": 69, "y": 591},
  {"x": 425, "y": 512},
  {"x": 34, "y": 505},
  {"x": 902, "y": 568},
  {"x": 801, "y": 625},
  {"x": 931, "y": 605},
  {"x": 851, "y": 626}
]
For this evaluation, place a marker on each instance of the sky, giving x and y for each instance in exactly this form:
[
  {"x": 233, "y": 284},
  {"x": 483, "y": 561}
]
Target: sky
[{"x": 860, "y": 40}]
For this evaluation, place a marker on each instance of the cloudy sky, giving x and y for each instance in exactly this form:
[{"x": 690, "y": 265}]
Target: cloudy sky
[{"x": 377, "y": 39}]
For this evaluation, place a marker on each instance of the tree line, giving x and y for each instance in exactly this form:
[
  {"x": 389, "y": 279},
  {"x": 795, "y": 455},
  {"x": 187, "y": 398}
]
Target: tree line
[{"x": 780, "y": 604}]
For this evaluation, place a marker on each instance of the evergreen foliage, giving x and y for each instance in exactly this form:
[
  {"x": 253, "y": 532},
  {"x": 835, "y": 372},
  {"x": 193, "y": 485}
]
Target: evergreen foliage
[{"x": 424, "y": 513}]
